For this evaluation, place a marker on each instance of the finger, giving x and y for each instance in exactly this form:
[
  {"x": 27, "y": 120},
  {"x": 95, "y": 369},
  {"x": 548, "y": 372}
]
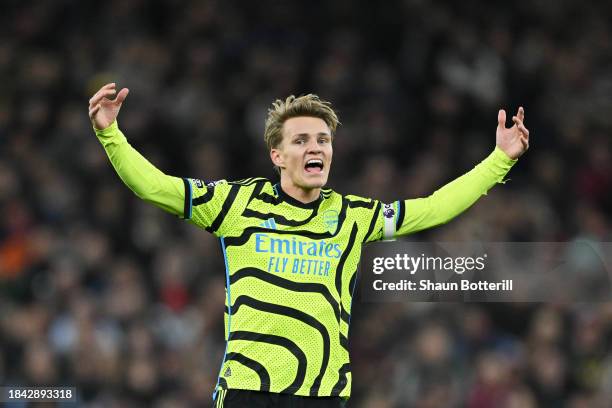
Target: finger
[
  {"x": 521, "y": 113},
  {"x": 108, "y": 86},
  {"x": 107, "y": 91},
  {"x": 99, "y": 95},
  {"x": 93, "y": 111},
  {"x": 121, "y": 96},
  {"x": 521, "y": 127},
  {"x": 104, "y": 88},
  {"x": 501, "y": 119}
]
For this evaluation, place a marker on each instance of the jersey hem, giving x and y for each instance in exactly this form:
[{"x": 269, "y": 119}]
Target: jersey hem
[{"x": 289, "y": 391}]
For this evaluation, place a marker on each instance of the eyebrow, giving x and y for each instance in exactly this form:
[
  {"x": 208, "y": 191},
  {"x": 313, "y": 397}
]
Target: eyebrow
[{"x": 308, "y": 134}]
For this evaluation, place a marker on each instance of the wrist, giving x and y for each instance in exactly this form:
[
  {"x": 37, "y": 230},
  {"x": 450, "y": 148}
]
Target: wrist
[
  {"x": 497, "y": 164},
  {"x": 107, "y": 131},
  {"x": 110, "y": 135},
  {"x": 502, "y": 157}
]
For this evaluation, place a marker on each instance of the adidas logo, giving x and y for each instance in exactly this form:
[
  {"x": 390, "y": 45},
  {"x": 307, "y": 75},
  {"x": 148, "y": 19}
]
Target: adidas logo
[
  {"x": 269, "y": 223},
  {"x": 228, "y": 372}
]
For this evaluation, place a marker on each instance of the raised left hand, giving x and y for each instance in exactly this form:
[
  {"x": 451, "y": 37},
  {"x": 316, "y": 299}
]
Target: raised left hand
[
  {"x": 103, "y": 111},
  {"x": 515, "y": 140}
]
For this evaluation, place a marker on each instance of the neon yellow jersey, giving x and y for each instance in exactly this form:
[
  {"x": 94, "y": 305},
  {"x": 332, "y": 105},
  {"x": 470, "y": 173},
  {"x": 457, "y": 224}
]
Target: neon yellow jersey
[
  {"x": 290, "y": 276},
  {"x": 291, "y": 267}
]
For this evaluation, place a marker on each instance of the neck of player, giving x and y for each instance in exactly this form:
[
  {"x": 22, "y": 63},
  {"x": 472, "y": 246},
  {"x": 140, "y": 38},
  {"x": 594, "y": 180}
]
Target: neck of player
[{"x": 299, "y": 193}]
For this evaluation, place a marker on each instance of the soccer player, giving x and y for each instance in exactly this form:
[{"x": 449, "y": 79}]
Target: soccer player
[{"x": 292, "y": 248}]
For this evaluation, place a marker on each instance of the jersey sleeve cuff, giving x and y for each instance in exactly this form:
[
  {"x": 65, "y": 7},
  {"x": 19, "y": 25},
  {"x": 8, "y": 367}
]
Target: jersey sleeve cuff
[
  {"x": 109, "y": 135},
  {"x": 502, "y": 157},
  {"x": 107, "y": 131},
  {"x": 188, "y": 206},
  {"x": 498, "y": 164}
]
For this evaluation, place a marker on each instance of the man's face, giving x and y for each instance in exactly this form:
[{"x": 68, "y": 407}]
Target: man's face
[{"x": 305, "y": 153}]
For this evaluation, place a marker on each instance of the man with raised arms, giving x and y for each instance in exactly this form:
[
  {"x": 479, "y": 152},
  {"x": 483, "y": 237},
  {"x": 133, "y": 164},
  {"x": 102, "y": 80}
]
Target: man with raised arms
[{"x": 292, "y": 247}]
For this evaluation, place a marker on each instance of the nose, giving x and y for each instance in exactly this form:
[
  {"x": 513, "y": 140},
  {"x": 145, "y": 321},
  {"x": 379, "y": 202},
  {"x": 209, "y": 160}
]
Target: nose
[{"x": 313, "y": 146}]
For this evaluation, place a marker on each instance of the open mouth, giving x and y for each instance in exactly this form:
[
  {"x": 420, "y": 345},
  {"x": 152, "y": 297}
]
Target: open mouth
[{"x": 314, "y": 166}]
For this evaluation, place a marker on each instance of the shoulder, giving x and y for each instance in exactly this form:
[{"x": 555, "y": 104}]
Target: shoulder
[
  {"x": 223, "y": 187},
  {"x": 234, "y": 184},
  {"x": 355, "y": 201},
  {"x": 250, "y": 181},
  {"x": 351, "y": 200}
]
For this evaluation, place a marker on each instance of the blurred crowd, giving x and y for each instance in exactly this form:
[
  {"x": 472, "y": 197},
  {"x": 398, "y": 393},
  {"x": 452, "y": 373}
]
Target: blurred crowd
[{"x": 106, "y": 293}]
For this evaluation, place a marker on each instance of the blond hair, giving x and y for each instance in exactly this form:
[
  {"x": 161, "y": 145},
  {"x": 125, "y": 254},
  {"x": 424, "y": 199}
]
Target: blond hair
[{"x": 305, "y": 105}]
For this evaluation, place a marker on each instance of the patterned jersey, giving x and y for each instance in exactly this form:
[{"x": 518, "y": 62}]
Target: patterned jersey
[
  {"x": 290, "y": 276},
  {"x": 291, "y": 267}
]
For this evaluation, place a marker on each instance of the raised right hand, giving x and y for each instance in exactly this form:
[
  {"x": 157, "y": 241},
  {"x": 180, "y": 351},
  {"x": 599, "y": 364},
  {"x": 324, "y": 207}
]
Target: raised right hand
[
  {"x": 103, "y": 111},
  {"x": 515, "y": 140}
]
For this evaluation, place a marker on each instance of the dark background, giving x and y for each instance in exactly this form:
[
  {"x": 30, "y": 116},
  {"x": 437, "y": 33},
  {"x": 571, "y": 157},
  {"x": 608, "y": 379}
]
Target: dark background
[{"x": 106, "y": 293}]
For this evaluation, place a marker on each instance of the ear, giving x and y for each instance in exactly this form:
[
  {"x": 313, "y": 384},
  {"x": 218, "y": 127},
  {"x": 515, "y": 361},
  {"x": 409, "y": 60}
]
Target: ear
[{"x": 277, "y": 159}]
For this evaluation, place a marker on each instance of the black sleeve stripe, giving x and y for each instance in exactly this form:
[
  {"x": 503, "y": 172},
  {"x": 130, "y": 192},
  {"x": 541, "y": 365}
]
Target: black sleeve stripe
[
  {"x": 187, "y": 205},
  {"x": 206, "y": 197},
  {"x": 227, "y": 204},
  {"x": 259, "y": 194},
  {"x": 249, "y": 181},
  {"x": 243, "y": 181},
  {"x": 373, "y": 222},
  {"x": 361, "y": 204},
  {"x": 402, "y": 212},
  {"x": 257, "y": 188}
]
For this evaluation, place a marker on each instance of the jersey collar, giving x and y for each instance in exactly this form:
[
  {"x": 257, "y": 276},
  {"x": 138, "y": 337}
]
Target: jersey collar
[{"x": 292, "y": 201}]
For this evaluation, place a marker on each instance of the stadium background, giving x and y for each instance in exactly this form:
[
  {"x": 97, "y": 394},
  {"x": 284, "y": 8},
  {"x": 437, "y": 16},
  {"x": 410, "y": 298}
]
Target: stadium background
[{"x": 104, "y": 292}]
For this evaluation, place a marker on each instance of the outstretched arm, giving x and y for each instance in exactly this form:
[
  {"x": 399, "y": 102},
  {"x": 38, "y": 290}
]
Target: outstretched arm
[
  {"x": 458, "y": 195},
  {"x": 142, "y": 177}
]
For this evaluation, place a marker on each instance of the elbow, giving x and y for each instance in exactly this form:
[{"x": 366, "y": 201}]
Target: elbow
[
  {"x": 440, "y": 214},
  {"x": 145, "y": 193},
  {"x": 148, "y": 195}
]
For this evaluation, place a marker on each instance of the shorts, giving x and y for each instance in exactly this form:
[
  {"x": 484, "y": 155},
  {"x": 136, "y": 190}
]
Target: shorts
[{"x": 259, "y": 399}]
